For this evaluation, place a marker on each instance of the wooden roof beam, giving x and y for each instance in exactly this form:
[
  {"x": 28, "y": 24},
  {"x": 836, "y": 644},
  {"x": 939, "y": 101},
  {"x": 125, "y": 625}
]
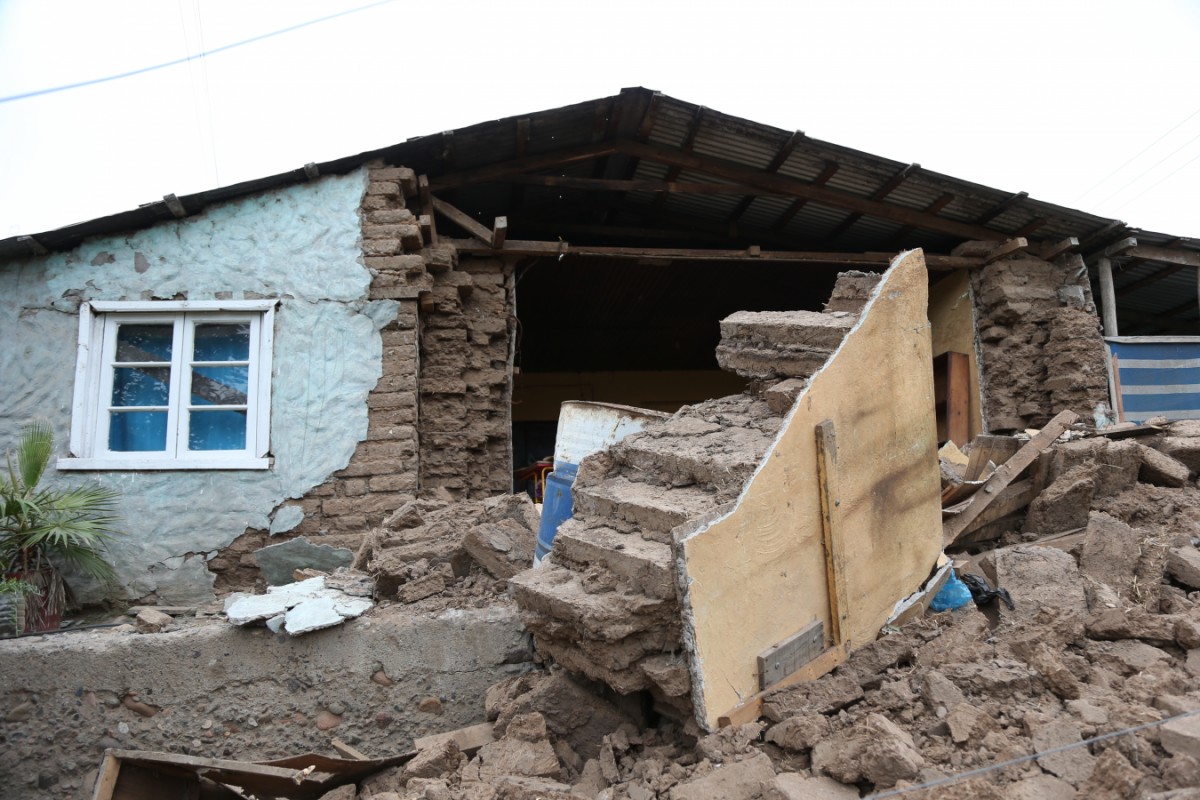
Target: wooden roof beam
[
  {"x": 464, "y": 221},
  {"x": 622, "y": 185},
  {"x": 781, "y": 156},
  {"x": 943, "y": 200},
  {"x": 494, "y": 172},
  {"x": 687, "y": 146},
  {"x": 1000, "y": 208},
  {"x": 831, "y": 168},
  {"x": 836, "y": 198},
  {"x": 891, "y": 185},
  {"x": 563, "y": 249},
  {"x": 1049, "y": 252}
]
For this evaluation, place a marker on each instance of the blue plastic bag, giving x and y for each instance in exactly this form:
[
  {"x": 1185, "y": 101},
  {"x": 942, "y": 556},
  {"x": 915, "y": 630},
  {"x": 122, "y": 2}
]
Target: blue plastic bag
[{"x": 953, "y": 594}]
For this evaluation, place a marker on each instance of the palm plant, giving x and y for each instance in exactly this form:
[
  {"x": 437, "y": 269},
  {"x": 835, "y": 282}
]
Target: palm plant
[{"x": 44, "y": 531}]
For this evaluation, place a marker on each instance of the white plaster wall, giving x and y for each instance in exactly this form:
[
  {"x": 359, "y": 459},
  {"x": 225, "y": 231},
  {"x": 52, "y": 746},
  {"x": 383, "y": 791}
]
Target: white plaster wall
[{"x": 301, "y": 244}]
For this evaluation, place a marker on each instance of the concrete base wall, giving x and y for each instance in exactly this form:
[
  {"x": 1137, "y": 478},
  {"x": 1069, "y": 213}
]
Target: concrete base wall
[{"x": 228, "y": 692}]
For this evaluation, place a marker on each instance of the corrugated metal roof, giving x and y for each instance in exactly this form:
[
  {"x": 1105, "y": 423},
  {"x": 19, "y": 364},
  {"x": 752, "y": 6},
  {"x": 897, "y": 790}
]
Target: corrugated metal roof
[{"x": 682, "y": 128}]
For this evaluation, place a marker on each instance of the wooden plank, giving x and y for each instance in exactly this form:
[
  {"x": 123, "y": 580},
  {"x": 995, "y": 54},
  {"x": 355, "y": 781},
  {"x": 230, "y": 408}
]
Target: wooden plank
[
  {"x": 110, "y": 770},
  {"x": 1049, "y": 252},
  {"x": 985, "y": 448},
  {"x": 780, "y": 660},
  {"x": 821, "y": 194},
  {"x": 1108, "y": 297},
  {"x": 462, "y": 220},
  {"x": 958, "y": 397},
  {"x": 823, "y": 177},
  {"x": 1007, "y": 249},
  {"x": 835, "y": 557},
  {"x": 640, "y": 185},
  {"x": 499, "y": 232},
  {"x": 1005, "y": 474},
  {"x": 468, "y": 739},
  {"x": 1001, "y": 207},
  {"x": 518, "y": 247},
  {"x": 1014, "y": 497},
  {"x": 348, "y": 751},
  {"x": 751, "y": 708},
  {"x": 1116, "y": 373}
]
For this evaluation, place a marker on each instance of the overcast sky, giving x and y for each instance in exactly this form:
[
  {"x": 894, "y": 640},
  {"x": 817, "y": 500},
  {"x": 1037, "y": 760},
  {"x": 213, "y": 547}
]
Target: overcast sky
[{"x": 1091, "y": 104}]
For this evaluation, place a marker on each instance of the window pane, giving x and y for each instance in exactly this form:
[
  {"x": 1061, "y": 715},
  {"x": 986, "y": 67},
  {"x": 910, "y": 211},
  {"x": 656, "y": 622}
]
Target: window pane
[
  {"x": 137, "y": 431},
  {"x": 217, "y": 430},
  {"x": 222, "y": 342},
  {"x": 141, "y": 386},
  {"x": 144, "y": 342},
  {"x": 222, "y": 386}
]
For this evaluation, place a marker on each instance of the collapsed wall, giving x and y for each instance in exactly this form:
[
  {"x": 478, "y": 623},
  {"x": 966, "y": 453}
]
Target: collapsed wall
[
  {"x": 648, "y": 522},
  {"x": 1039, "y": 335}
]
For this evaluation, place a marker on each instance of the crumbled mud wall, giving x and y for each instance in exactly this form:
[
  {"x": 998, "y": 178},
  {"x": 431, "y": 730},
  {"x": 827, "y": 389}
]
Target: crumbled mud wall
[
  {"x": 300, "y": 244},
  {"x": 465, "y": 386},
  {"x": 1042, "y": 350},
  {"x": 223, "y": 692}
]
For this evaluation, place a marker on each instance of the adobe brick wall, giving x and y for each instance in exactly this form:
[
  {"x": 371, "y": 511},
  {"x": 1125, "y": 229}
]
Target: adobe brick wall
[{"x": 1041, "y": 350}]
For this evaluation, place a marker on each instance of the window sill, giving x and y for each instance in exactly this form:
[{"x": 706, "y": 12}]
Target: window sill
[{"x": 142, "y": 464}]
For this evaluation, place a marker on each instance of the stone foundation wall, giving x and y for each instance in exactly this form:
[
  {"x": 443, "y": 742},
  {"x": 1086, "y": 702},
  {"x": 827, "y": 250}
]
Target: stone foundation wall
[{"x": 1041, "y": 350}]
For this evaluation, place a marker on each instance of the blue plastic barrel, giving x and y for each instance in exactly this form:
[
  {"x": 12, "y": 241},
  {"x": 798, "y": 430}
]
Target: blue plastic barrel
[{"x": 557, "y": 506}]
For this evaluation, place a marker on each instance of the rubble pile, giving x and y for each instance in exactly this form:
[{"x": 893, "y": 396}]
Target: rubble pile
[{"x": 604, "y": 604}]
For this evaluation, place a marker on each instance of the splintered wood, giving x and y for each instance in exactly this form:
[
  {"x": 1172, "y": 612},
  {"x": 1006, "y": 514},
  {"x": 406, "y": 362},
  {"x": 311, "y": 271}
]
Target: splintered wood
[{"x": 993, "y": 488}]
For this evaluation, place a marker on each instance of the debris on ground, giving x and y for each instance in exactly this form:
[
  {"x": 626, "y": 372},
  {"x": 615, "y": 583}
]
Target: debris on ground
[{"x": 312, "y": 604}]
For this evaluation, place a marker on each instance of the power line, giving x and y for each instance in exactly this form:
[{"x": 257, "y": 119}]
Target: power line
[
  {"x": 186, "y": 59},
  {"x": 1136, "y": 156},
  {"x": 1148, "y": 170}
]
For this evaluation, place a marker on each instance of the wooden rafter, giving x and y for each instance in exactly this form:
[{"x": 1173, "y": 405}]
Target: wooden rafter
[
  {"x": 891, "y": 185},
  {"x": 688, "y": 145},
  {"x": 1000, "y": 208},
  {"x": 780, "y": 158},
  {"x": 1031, "y": 226},
  {"x": 522, "y": 149},
  {"x": 943, "y": 200},
  {"x": 494, "y": 172},
  {"x": 830, "y": 169},
  {"x": 1153, "y": 277},
  {"x": 625, "y": 185},
  {"x": 837, "y": 198}
]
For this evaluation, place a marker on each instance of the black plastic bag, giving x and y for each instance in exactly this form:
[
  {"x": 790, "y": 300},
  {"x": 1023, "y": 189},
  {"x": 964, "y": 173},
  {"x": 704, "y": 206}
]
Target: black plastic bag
[{"x": 983, "y": 593}]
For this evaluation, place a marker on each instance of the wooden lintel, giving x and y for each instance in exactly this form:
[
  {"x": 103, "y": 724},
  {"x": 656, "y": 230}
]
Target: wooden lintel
[
  {"x": 1005, "y": 474},
  {"x": 836, "y": 198},
  {"x": 493, "y": 172},
  {"x": 1014, "y": 245},
  {"x": 463, "y": 220},
  {"x": 518, "y": 247},
  {"x": 1049, "y": 252},
  {"x": 499, "y": 232},
  {"x": 176, "y": 208},
  {"x": 751, "y": 709}
]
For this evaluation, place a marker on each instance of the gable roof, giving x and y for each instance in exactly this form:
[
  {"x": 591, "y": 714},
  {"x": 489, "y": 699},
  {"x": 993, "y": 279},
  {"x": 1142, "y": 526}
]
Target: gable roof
[{"x": 643, "y": 167}]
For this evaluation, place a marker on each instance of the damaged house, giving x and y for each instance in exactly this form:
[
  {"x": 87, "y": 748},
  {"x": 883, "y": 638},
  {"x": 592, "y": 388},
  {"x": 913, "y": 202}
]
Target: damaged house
[{"x": 301, "y": 357}]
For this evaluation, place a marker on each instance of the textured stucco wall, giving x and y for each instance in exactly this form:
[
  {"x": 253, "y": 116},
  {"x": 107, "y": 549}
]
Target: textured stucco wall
[{"x": 300, "y": 244}]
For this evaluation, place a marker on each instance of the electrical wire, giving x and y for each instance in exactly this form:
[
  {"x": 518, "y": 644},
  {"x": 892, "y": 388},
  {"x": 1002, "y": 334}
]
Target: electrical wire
[
  {"x": 186, "y": 59},
  {"x": 1025, "y": 759},
  {"x": 1148, "y": 170},
  {"x": 1136, "y": 156}
]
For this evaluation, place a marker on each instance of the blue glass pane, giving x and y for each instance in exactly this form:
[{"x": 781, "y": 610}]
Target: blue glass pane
[
  {"x": 220, "y": 386},
  {"x": 217, "y": 430},
  {"x": 144, "y": 342},
  {"x": 137, "y": 431},
  {"x": 222, "y": 342},
  {"x": 141, "y": 386}
]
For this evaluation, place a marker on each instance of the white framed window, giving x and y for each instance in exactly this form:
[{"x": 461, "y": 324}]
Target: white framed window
[{"x": 172, "y": 385}]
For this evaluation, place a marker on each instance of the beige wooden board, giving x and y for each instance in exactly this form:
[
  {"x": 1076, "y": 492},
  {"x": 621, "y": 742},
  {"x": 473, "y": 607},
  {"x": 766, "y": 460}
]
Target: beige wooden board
[
  {"x": 952, "y": 321},
  {"x": 758, "y": 574}
]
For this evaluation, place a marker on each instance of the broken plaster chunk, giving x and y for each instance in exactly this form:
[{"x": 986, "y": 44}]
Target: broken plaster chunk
[
  {"x": 354, "y": 608},
  {"x": 275, "y": 624},
  {"x": 312, "y": 615},
  {"x": 279, "y": 561},
  {"x": 256, "y": 608}
]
